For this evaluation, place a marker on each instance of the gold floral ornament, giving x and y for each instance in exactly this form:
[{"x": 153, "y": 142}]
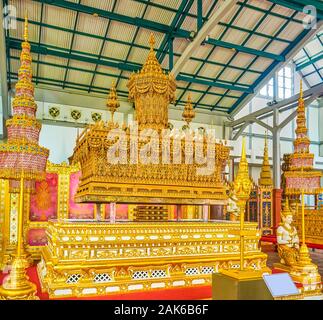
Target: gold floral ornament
[
  {"x": 152, "y": 90},
  {"x": 54, "y": 112},
  {"x": 188, "y": 113},
  {"x": 96, "y": 116},
  {"x": 76, "y": 114},
  {"x": 112, "y": 101}
]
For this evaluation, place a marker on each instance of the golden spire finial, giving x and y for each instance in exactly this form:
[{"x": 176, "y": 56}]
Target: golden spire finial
[
  {"x": 301, "y": 89},
  {"x": 112, "y": 101},
  {"x": 152, "y": 42},
  {"x": 243, "y": 151},
  {"x": 242, "y": 184},
  {"x": 265, "y": 175},
  {"x": 26, "y": 28},
  {"x": 188, "y": 113}
]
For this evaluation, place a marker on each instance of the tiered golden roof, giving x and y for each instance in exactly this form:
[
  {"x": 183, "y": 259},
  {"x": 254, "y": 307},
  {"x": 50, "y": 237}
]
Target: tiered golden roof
[
  {"x": 188, "y": 113},
  {"x": 134, "y": 180},
  {"x": 265, "y": 174},
  {"x": 152, "y": 90}
]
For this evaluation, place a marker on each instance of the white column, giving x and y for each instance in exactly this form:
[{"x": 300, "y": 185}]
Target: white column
[{"x": 276, "y": 150}]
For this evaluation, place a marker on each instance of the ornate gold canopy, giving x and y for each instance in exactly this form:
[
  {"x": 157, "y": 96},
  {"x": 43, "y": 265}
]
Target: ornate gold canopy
[{"x": 155, "y": 181}]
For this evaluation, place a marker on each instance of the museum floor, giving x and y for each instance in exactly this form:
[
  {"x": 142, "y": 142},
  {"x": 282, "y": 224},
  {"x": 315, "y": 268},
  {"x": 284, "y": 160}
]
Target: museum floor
[{"x": 196, "y": 293}]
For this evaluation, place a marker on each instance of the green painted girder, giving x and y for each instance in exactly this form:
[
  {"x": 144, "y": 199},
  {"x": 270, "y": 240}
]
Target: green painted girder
[
  {"x": 84, "y": 87},
  {"x": 179, "y": 18},
  {"x": 256, "y": 33},
  {"x": 255, "y": 52},
  {"x": 257, "y": 25},
  {"x": 95, "y": 36},
  {"x": 16, "y": 44},
  {"x": 160, "y": 6},
  {"x": 101, "y": 49},
  {"x": 309, "y": 61},
  {"x": 274, "y": 14},
  {"x": 107, "y": 74},
  {"x": 134, "y": 37},
  {"x": 139, "y": 22},
  {"x": 318, "y": 4},
  {"x": 211, "y": 83},
  {"x": 299, "y": 5},
  {"x": 209, "y": 55}
]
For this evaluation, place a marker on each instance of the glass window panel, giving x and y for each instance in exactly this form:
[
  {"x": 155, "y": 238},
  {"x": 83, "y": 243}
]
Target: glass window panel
[
  {"x": 271, "y": 82},
  {"x": 288, "y": 93},
  {"x": 288, "y": 83},
  {"x": 281, "y": 72},
  {"x": 281, "y": 93},
  {"x": 288, "y": 72},
  {"x": 280, "y": 81},
  {"x": 263, "y": 91},
  {"x": 270, "y": 91}
]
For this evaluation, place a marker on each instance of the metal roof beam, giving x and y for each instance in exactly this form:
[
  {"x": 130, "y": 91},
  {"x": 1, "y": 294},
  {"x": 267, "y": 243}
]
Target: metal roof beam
[
  {"x": 309, "y": 95},
  {"x": 310, "y": 61},
  {"x": 144, "y": 23},
  {"x": 220, "y": 13},
  {"x": 299, "y": 5},
  {"x": 298, "y": 43},
  {"x": 252, "y": 51},
  {"x": 256, "y": 33},
  {"x": 272, "y": 13},
  {"x": 211, "y": 83},
  {"x": 128, "y": 44},
  {"x": 82, "y": 56},
  {"x": 16, "y": 44},
  {"x": 5, "y": 106}
]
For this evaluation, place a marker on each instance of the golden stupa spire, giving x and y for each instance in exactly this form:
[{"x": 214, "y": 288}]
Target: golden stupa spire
[
  {"x": 152, "y": 42},
  {"x": 302, "y": 142},
  {"x": 112, "y": 101},
  {"x": 242, "y": 183},
  {"x": 265, "y": 174},
  {"x": 26, "y": 28},
  {"x": 188, "y": 113}
]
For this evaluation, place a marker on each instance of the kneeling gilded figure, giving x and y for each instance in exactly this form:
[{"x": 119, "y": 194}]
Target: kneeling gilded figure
[{"x": 287, "y": 238}]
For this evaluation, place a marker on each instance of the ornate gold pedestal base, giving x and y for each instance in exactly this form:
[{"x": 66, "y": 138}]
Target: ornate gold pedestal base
[
  {"x": 240, "y": 285},
  {"x": 16, "y": 286},
  {"x": 304, "y": 272}
]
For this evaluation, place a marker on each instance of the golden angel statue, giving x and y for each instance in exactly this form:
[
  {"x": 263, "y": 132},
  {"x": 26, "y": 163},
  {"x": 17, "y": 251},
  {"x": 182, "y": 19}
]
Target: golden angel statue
[{"x": 287, "y": 238}]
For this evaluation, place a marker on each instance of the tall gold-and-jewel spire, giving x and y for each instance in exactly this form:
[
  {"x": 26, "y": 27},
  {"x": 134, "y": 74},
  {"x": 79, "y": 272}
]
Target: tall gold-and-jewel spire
[
  {"x": 22, "y": 153},
  {"x": 112, "y": 101},
  {"x": 300, "y": 173},
  {"x": 265, "y": 174},
  {"x": 242, "y": 183},
  {"x": 188, "y": 113},
  {"x": 302, "y": 142},
  {"x": 152, "y": 90}
]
